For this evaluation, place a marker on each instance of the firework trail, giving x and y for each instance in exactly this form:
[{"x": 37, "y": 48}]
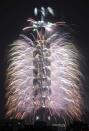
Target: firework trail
[{"x": 44, "y": 72}]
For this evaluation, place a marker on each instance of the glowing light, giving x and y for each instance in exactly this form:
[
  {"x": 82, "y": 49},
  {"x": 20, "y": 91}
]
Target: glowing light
[
  {"x": 65, "y": 74},
  {"x": 44, "y": 72}
]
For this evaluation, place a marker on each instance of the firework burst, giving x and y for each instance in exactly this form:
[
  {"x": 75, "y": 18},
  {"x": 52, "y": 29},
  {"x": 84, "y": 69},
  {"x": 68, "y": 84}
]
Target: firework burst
[{"x": 44, "y": 72}]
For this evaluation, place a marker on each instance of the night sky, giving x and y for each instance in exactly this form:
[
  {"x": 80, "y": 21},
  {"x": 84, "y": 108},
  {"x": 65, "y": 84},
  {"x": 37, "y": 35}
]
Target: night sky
[{"x": 13, "y": 16}]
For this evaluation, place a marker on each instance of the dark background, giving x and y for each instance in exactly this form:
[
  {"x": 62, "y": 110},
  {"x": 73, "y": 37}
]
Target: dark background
[{"x": 13, "y": 15}]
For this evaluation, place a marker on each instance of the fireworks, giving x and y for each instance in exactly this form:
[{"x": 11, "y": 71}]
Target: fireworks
[{"x": 44, "y": 72}]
